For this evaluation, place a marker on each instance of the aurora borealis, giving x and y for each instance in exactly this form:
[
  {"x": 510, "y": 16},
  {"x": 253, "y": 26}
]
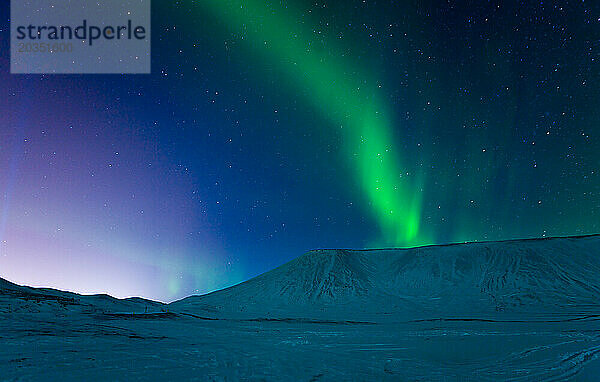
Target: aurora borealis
[
  {"x": 350, "y": 99},
  {"x": 271, "y": 128}
]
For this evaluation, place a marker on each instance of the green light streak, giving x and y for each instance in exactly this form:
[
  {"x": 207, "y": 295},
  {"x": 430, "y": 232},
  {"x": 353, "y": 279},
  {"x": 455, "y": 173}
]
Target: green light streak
[{"x": 345, "y": 96}]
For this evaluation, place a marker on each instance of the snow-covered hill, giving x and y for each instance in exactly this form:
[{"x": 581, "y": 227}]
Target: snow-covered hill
[
  {"x": 558, "y": 276},
  {"x": 17, "y": 299},
  {"x": 519, "y": 279}
]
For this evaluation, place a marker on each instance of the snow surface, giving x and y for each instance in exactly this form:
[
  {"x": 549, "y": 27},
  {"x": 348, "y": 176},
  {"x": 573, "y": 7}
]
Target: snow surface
[{"x": 517, "y": 310}]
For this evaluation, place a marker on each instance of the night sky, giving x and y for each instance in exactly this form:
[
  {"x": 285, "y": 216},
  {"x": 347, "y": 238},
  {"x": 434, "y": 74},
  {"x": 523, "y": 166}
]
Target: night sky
[{"x": 273, "y": 128}]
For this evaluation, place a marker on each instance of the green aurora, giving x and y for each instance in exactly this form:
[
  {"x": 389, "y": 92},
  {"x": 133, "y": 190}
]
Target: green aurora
[{"x": 351, "y": 99}]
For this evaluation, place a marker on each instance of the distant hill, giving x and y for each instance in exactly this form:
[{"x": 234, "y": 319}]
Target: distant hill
[
  {"x": 22, "y": 299},
  {"x": 518, "y": 279}
]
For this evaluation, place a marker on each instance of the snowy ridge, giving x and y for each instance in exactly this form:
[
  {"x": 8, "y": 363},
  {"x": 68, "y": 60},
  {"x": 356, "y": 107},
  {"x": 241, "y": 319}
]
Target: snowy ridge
[
  {"x": 558, "y": 276},
  {"x": 22, "y": 299}
]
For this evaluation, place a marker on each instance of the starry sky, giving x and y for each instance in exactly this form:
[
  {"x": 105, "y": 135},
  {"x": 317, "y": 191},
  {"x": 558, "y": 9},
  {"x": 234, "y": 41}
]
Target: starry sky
[{"x": 270, "y": 128}]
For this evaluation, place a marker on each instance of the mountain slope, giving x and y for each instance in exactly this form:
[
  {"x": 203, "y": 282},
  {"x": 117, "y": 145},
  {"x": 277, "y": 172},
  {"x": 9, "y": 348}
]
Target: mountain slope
[{"x": 558, "y": 276}]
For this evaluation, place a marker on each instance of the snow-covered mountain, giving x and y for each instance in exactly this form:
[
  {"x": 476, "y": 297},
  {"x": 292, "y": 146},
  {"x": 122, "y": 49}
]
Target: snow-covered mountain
[
  {"x": 557, "y": 276},
  {"x": 518, "y": 278}
]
